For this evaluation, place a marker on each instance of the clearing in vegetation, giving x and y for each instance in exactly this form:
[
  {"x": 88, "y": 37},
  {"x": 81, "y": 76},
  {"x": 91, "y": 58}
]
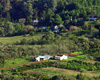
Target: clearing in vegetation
[
  {"x": 15, "y": 62},
  {"x": 77, "y": 53},
  {"x": 12, "y": 40},
  {"x": 40, "y": 71},
  {"x": 57, "y": 71}
]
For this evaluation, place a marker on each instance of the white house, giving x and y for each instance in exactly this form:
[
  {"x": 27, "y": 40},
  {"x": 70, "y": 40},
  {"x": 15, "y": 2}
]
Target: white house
[
  {"x": 35, "y": 21},
  {"x": 56, "y": 27},
  {"x": 60, "y": 57},
  {"x": 45, "y": 57}
]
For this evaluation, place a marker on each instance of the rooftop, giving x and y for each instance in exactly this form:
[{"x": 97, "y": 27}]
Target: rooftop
[{"x": 45, "y": 56}]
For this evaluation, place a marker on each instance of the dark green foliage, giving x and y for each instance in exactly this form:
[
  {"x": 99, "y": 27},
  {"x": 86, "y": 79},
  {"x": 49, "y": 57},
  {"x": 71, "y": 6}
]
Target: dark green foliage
[
  {"x": 77, "y": 65},
  {"x": 35, "y": 66},
  {"x": 58, "y": 19},
  {"x": 50, "y": 13},
  {"x": 2, "y": 60},
  {"x": 73, "y": 65},
  {"x": 8, "y": 16},
  {"x": 1, "y": 8}
]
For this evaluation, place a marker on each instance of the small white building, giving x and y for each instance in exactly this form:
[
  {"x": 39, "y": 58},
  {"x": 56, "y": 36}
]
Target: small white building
[
  {"x": 56, "y": 27},
  {"x": 60, "y": 57},
  {"x": 35, "y": 21},
  {"x": 45, "y": 57}
]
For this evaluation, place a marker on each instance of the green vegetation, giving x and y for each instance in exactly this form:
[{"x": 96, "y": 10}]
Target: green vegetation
[
  {"x": 96, "y": 72},
  {"x": 73, "y": 58},
  {"x": 29, "y": 28},
  {"x": 14, "y": 39},
  {"x": 77, "y": 53},
  {"x": 47, "y": 71},
  {"x": 15, "y": 62},
  {"x": 82, "y": 56}
]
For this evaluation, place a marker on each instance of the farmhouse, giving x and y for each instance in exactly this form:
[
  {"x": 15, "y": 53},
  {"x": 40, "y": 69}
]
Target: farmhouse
[
  {"x": 35, "y": 21},
  {"x": 45, "y": 57},
  {"x": 60, "y": 57}
]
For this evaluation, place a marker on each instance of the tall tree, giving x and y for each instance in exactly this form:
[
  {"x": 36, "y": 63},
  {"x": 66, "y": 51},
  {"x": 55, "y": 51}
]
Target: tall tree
[
  {"x": 8, "y": 16},
  {"x": 28, "y": 8},
  {"x": 49, "y": 17},
  {"x": 1, "y": 7},
  {"x": 7, "y": 5},
  {"x": 53, "y": 4},
  {"x": 9, "y": 28},
  {"x": 2, "y": 59},
  {"x": 58, "y": 19}
]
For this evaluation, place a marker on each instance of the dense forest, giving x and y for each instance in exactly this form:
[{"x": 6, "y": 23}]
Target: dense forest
[
  {"x": 48, "y": 12},
  {"x": 29, "y": 28}
]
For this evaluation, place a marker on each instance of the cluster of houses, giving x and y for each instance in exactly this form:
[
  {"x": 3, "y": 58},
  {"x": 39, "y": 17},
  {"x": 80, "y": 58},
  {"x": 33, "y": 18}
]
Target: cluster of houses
[
  {"x": 47, "y": 57},
  {"x": 57, "y": 28}
]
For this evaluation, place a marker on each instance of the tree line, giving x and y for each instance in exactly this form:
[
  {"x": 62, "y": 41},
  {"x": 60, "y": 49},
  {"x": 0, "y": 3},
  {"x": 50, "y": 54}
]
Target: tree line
[{"x": 48, "y": 12}]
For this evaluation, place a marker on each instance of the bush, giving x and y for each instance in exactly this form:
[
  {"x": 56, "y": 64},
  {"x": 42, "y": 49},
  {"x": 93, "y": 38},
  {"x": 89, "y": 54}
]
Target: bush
[
  {"x": 31, "y": 33},
  {"x": 91, "y": 58},
  {"x": 83, "y": 70}
]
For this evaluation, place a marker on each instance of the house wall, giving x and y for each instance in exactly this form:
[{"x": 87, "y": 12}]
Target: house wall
[
  {"x": 64, "y": 57},
  {"x": 37, "y": 59},
  {"x": 60, "y": 58},
  {"x": 57, "y": 58}
]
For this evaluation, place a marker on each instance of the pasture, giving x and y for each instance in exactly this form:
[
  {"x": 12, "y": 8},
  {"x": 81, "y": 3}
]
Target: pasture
[
  {"x": 14, "y": 39},
  {"x": 52, "y": 71},
  {"x": 15, "y": 62}
]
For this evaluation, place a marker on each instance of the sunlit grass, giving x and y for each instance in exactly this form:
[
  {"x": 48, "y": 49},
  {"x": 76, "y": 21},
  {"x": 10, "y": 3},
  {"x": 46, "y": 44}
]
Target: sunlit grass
[
  {"x": 82, "y": 56},
  {"x": 47, "y": 71},
  {"x": 12, "y": 40},
  {"x": 14, "y": 62},
  {"x": 96, "y": 72}
]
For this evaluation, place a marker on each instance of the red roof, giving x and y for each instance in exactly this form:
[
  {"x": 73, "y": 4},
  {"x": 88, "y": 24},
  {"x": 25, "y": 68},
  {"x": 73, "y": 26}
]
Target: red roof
[
  {"x": 66, "y": 29},
  {"x": 59, "y": 55}
]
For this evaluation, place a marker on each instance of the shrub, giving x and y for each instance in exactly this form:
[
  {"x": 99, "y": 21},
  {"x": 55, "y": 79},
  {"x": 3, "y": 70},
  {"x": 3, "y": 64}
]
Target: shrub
[
  {"x": 91, "y": 58},
  {"x": 83, "y": 70}
]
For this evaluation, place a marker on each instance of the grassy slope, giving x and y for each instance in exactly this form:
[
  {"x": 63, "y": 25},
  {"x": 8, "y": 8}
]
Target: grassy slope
[
  {"x": 18, "y": 61},
  {"x": 57, "y": 71},
  {"x": 47, "y": 71},
  {"x": 11, "y": 40}
]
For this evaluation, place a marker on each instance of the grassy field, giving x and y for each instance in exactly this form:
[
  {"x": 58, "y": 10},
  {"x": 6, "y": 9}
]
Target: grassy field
[
  {"x": 57, "y": 71},
  {"x": 73, "y": 58},
  {"x": 77, "y": 53},
  {"x": 96, "y": 72},
  {"x": 47, "y": 71},
  {"x": 53, "y": 71},
  {"x": 11, "y": 40},
  {"x": 82, "y": 56},
  {"x": 15, "y": 62}
]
